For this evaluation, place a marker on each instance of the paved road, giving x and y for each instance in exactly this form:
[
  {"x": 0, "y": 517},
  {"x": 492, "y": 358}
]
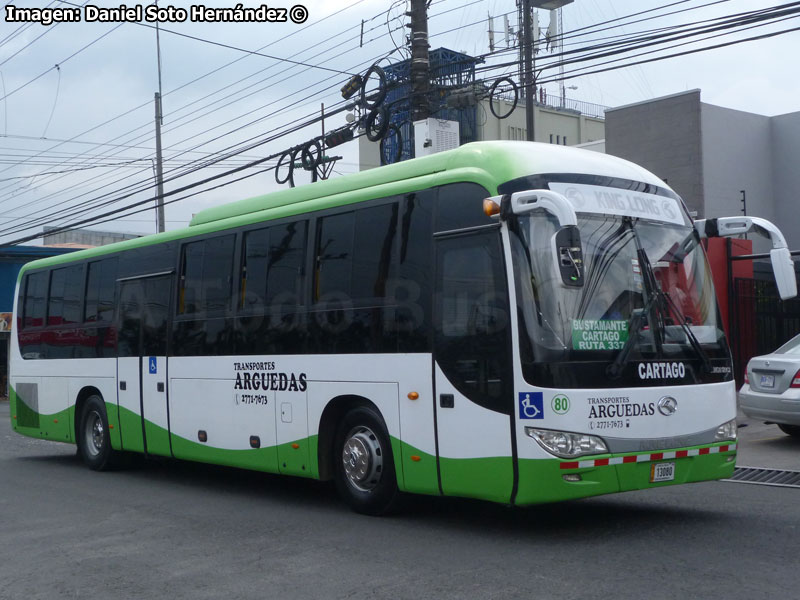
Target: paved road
[
  {"x": 762, "y": 445},
  {"x": 179, "y": 530}
]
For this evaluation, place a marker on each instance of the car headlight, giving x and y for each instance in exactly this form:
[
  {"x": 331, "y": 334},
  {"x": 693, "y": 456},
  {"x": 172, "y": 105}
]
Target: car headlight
[
  {"x": 726, "y": 431},
  {"x": 566, "y": 444}
]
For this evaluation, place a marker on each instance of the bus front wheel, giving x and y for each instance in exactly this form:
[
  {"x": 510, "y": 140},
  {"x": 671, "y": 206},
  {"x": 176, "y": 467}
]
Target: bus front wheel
[
  {"x": 94, "y": 441},
  {"x": 365, "y": 475}
]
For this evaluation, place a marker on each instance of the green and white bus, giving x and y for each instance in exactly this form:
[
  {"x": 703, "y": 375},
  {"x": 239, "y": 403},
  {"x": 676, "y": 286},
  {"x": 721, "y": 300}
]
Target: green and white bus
[{"x": 516, "y": 322}]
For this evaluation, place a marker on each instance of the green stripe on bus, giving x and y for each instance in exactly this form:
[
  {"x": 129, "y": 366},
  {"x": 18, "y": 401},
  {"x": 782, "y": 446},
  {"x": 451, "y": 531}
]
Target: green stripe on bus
[
  {"x": 27, "y": 421},
  {"x": 542, "y": 481}
]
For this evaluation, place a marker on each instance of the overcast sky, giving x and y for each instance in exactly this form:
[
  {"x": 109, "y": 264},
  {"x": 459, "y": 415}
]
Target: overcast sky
[{"x": 83, "y": 132}]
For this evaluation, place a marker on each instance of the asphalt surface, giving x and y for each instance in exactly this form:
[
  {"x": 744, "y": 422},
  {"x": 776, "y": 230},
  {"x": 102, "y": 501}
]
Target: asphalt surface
[{"x": 171, "y": 529}]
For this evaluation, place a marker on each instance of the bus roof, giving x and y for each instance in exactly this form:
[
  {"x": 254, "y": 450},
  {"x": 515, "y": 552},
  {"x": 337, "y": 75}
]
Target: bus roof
[
  {"x": 500, "y": 161},
  {"x": 487, "y": 163}
]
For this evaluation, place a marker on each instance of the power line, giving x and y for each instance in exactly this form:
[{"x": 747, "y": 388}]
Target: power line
[
  {"x": 585, "y": 59},
  {"x": 341, "y": 10},
  {"x": 61, "y": 62},
  {"x": 250, "y": 52},
  {"x": 228, "y": 64}
]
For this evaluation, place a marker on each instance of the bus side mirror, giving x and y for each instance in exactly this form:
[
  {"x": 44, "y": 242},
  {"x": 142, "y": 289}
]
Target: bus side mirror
[
  {"x": 780, "y": 257},
  {"x": 568, "y": 254},
  {"x": 783, "y": 268},
  {"x": 566, "y": 242}
]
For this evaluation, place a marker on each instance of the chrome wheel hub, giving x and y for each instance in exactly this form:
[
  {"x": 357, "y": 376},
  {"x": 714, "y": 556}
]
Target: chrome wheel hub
[
  {"x": 362, "y": 457},
  {"x": 94, "y": 433}
]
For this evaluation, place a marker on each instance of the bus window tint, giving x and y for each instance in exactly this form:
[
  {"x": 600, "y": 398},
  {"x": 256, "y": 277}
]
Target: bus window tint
[
  {"x": 460, "y": 205},
  {"x": 285, "y": 266},
  {"x": 354, "y": 254},
  {"x": 472, "y": 334},
  {"x": 375, "y": 230},
  {"x": 191, "y": 278},
  {"x": 334, "y": 256},
  {"x": 413, "y": 289},
  {"x": 64, "y": 305},
  {"x": 272, "y": 267},
  {"x": 155, "y": 308},
  {"x": 55, "y": 304},
  {"x": 100, "y": 285},
  {"x": 206, "y": 275},
  {"x": 35, "y": 299},
  {"x": 130, "y": 314}
]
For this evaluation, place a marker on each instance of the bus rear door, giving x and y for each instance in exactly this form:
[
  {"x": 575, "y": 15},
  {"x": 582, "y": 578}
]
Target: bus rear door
[{"x": 142, "y": 363}]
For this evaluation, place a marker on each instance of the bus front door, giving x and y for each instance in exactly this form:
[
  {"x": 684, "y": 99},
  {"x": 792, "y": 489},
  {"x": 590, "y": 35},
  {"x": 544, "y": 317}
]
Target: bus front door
[
  {"x": 473, "y": 366},
  {"x": 142, "y": 363}
]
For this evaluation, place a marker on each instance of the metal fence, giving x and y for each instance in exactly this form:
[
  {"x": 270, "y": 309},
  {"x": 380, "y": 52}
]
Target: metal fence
[
  {"x": 554, "y": 101},
  {"x": 761, "y": 321}
]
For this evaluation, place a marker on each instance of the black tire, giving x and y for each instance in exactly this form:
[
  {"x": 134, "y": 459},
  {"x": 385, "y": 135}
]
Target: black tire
[
  {"x": 93, "y": 437},
  {"x": 365, "y": 475},
  {"x": 792, "y": 430}
]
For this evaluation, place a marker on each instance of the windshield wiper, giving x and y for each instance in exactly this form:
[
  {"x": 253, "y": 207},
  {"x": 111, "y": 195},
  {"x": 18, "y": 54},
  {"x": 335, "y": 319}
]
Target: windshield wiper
[
  {"x": 650, "y": 310},
  {"x": 656, "y": 307}
]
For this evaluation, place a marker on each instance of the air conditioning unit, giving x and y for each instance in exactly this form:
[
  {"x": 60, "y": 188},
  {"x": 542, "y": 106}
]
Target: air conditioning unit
[{"x": 434, "y": 135}]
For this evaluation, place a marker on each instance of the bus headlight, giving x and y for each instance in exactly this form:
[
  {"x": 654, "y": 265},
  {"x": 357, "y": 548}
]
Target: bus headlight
[
  {"x": 726, "y": 431},
  {"x": 566, "y": 444}
]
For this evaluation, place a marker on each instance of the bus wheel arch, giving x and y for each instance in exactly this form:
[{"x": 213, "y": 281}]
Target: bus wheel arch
[
  {"x": 333, "y": 414},
  {"x": 80, "y": 401},
  {"x": 352, "y": 426}
]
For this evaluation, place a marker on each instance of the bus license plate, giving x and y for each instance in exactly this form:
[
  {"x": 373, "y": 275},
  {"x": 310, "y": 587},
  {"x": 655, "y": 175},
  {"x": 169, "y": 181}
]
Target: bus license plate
[{"x": 662, "y": 472}]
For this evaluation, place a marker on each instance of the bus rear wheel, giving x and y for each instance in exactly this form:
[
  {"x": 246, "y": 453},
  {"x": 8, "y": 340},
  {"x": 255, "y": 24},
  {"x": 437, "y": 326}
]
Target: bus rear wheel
[
  {"x": 94, "y": 440},
  {"x": 365, "y": 475}
]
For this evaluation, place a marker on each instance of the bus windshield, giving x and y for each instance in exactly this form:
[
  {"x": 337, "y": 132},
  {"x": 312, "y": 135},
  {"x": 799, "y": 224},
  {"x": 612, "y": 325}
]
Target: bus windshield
[{"x": 647, "y": 305}]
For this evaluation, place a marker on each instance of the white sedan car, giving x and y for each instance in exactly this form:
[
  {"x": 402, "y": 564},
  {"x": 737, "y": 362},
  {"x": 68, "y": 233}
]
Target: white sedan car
[{"x": 771, "y": 390}]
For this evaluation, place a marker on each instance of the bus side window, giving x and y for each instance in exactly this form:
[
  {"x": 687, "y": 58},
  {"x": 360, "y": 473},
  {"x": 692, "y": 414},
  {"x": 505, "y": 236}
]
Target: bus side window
[
  {"x": 98, "y": 314},
  {"x": 35, "y": 299},
  {"x": 373, "y": 245},
  {"x": 413, "y": 290},
  {"x": 334, "y": 265},
  {"x": 355, "y": 254},
  {"x": 100, "y": 286},
  {"x": 272, "y": 267},
  {"x": 206, "y": 276},
  {"x": 64, "y": 304},
  {"x": 356, "y": 261},
  {"x": 459, "y": 206}
]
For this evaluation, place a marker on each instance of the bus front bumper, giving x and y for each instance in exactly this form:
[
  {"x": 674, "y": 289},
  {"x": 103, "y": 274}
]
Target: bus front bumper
[{"x": 552, "y": 480}]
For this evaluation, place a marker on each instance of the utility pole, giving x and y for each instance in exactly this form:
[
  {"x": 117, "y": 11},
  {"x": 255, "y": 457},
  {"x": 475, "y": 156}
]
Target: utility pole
[
  {"x": 528, "y": 84},
  {"x": 420, "y": 61},
  {"x": 159, "y": 169}
]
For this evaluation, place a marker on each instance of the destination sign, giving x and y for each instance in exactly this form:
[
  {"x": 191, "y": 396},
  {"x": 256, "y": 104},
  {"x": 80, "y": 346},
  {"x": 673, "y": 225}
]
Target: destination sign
[{"x": 615, "y": 201}]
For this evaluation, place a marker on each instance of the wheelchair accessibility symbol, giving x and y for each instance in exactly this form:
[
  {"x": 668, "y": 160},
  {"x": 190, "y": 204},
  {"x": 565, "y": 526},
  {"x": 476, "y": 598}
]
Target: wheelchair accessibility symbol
[{"x": 531, "y": 405}]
